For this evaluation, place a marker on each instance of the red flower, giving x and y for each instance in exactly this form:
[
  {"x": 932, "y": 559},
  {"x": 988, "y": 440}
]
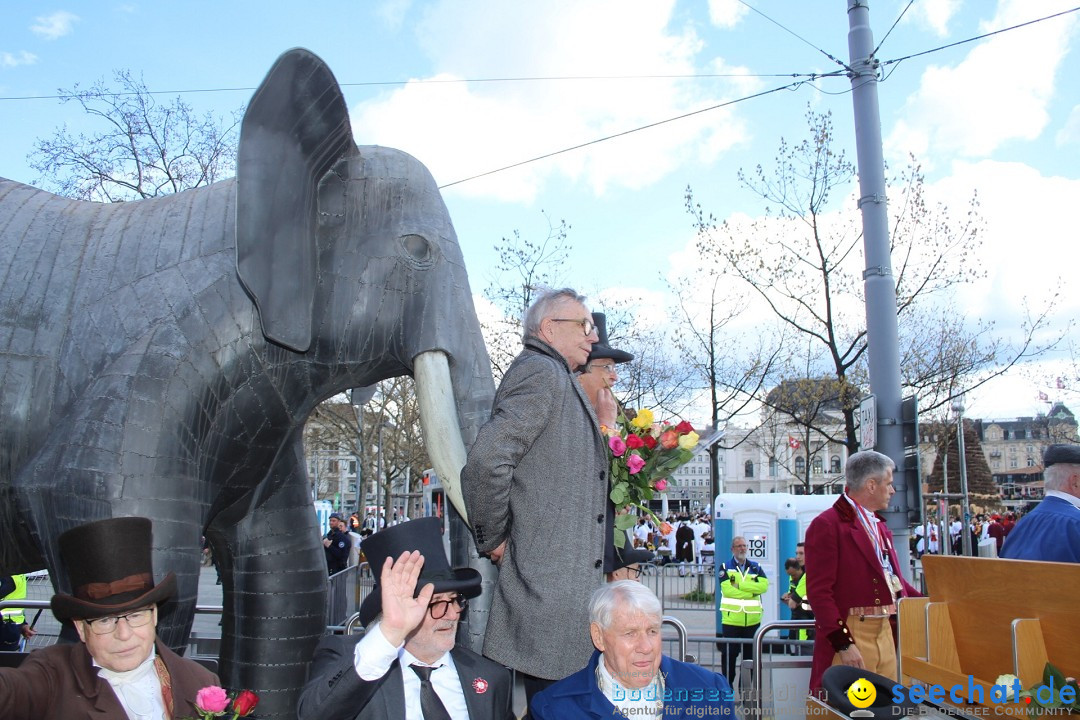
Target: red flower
[
  {"x": 244, "y": 703},
  {"x": 669, "y": 439},
  {"x": 684, "y": 427},
  {"x": 634, "y": 441},
  {"x": 650, "y": 441}
]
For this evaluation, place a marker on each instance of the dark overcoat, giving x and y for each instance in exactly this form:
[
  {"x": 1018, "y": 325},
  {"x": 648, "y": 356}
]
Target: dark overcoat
[{"x": 336, "y": 692}]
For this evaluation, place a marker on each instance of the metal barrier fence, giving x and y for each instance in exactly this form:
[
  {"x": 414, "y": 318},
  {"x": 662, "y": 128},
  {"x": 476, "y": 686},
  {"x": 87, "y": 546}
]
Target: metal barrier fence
[
  {"x": 682, "y": 586},
  {"x": 347, "y": 589}
]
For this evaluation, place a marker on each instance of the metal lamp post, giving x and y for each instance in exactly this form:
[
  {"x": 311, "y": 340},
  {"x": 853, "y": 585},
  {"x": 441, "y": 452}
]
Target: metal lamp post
[{"x": 965, "y": 531}]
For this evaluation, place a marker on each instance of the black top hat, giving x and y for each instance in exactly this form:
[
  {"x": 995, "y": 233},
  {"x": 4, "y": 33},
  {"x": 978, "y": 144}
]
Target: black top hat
[
  {"x": 424, "y": 535},
  {"x": 601, "y": 349},
  {"x": 109, "y": 565},
  {"x": 837, "y": 679},
  {"x": 628, "y": 555}
]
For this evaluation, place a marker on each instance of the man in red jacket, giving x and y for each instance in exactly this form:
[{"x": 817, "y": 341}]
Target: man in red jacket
[{"x": 853, "y": 576}]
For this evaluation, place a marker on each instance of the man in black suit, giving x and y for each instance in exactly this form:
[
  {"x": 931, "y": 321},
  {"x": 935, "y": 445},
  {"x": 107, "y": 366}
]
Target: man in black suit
[{"x": 407, "y": 665}]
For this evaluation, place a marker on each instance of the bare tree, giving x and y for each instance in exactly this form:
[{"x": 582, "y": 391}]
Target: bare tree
[
  {"x": 140, "y": 147},
  {"x": 524, "y": 266},
  {"x": 338, "y": 426},
  {"x": 800, "y": 260}
]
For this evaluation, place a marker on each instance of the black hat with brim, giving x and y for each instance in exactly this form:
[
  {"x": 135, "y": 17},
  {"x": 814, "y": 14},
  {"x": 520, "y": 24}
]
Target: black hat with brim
[
  {"x": 628, "y": 555},
  {"x": 109, "y": 567},
  {"x": 838, "y": 678},
  {"x": 601, "y": 349},
  {"x": 424, "y": 535},
  {"x": 1059, "y": 454}
]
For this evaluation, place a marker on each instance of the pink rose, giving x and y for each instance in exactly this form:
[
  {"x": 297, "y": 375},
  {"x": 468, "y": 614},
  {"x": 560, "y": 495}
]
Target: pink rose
[
  {"x": 634, "y": 464},
  {"x": 618, "y": 447},
  {"x": 212, "y": 699},
  {"x": 660, "y": 485}
]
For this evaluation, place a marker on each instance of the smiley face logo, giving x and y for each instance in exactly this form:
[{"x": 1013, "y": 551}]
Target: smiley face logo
[{"x": 862, "y": 693}]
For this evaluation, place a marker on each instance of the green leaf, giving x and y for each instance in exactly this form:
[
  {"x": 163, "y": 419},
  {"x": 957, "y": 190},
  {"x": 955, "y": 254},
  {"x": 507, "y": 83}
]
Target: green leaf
[{"x": 625, "y": 522}]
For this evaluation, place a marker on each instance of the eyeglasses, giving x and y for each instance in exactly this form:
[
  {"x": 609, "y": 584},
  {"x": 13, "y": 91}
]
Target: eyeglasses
[
  {"x": 135, "y": 618},
  {"x": 606, "y": 367},
  {"x": 633, "y": 572},
  {"x": 586, "y": 325},
  {"x": 438, "y": 608}
]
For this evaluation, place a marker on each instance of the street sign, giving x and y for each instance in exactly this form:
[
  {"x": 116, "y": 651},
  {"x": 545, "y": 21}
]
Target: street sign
[{"x": 868, "y": 423}]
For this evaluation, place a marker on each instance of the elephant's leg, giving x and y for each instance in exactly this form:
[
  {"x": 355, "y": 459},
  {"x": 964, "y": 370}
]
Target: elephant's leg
[{"x": 273, "y": 574}]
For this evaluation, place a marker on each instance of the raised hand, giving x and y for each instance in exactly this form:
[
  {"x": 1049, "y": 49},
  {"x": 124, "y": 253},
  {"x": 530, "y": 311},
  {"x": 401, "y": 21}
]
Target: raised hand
[{"x": 401, "y": 612}]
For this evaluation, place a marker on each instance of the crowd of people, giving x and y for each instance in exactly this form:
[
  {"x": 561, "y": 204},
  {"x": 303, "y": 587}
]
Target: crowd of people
[{"x": 577, "y": 625}]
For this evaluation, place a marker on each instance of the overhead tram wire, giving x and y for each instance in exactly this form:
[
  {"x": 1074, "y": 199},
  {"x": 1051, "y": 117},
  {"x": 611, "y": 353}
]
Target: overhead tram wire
[
  {"x": 789, "y": 86},
  {"x": 978, "y": 37},
  {"x": 438, "y": 81},
  {"x": 788, "y": 30},
  {"x": 897, "y": 22}
]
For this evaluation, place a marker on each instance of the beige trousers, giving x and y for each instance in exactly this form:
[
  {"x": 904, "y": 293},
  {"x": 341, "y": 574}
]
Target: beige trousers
[{"x": 873, "y": 636}]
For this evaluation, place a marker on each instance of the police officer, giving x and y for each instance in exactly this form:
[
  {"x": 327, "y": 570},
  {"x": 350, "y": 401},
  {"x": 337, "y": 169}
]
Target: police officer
[
  {"x": 15, "y": 631},
  {"x": 337, "y": 544}
]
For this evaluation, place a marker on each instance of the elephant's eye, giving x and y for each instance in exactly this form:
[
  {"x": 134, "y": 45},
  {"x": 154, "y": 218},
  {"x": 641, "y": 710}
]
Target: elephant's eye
[{"x": 417, "y": 249}]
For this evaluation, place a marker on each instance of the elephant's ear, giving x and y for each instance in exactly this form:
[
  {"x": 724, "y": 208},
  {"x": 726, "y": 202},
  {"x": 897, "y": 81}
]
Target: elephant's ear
[{"x": 294, "y": 130}]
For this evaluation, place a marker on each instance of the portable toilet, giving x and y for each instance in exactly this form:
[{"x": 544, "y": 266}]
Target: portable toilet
[
  {"x": 764, "y": 520},
  {"x": 323, "y": 508}
]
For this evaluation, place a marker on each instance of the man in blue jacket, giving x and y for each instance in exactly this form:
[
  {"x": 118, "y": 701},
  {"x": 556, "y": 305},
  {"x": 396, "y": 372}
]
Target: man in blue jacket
[
  {"x": 1052, "y": 530},
  {"x": 628, "y": 675}
]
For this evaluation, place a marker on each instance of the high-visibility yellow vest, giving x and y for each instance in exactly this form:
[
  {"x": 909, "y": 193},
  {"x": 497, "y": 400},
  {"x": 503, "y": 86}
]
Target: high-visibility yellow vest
[
  {"x": 16, "y": 615},
  {"x": 742, "y": 591}
]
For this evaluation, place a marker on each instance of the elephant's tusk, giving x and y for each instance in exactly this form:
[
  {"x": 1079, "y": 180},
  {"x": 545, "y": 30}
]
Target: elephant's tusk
[{"x": 438, "y": 417}]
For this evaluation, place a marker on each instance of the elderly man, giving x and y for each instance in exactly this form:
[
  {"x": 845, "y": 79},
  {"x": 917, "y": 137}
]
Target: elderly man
[
  {"x": 627, "y": 675},
  {"x": 598, "y": 375},
  {"x": 407, "y": 664},
  {"x": 536, "y": 489},
  {"x": 1052, "y": 530},
  {"x": 119, "y": 670},
  {"x": 853, "y": 575}
]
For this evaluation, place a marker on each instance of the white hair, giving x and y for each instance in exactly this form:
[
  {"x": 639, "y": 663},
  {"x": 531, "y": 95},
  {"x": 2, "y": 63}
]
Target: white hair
[{"x": 629, "y": 594}]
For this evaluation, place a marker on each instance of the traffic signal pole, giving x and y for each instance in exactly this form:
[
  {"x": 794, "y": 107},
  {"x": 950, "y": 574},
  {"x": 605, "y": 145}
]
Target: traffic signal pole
[{"x": 882, "y": 332}]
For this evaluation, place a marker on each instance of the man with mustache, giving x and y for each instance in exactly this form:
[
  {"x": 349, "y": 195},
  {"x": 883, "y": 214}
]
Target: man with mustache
[{"x": 407, "y": 664}]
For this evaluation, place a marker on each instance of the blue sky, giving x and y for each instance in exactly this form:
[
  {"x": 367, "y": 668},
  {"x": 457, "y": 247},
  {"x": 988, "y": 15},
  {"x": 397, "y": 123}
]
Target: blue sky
[{"x": 443, "y": 80}]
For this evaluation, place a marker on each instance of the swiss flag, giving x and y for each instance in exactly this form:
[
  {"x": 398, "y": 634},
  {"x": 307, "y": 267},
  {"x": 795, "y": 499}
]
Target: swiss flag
[{"x": 793, "y": 443}]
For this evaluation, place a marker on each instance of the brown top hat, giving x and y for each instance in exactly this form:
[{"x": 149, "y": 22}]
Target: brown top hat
[
  {"x": 424, "y": 535},
  {"x": 109, "y": 566}
]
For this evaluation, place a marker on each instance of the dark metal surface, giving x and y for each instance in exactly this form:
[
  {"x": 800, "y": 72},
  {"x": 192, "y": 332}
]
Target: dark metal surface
[{"x": 136, "y": 378}]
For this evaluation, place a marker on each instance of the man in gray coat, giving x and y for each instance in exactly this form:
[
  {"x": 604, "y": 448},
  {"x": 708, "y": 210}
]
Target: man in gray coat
[{"x": 536, "y": 489}]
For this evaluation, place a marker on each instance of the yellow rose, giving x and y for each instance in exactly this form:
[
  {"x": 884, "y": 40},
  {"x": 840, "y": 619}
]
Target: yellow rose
[
  {"x": 643, "y": 419},
  {"x": 688, "y": 441}
]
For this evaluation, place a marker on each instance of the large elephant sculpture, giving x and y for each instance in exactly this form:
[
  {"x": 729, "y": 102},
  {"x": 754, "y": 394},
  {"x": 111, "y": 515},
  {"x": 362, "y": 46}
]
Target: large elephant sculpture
[{"x": 160, "y": 358}]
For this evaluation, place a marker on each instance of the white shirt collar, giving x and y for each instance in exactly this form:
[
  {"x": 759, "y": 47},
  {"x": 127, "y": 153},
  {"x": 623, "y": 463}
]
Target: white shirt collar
[{"x": 1075, "y": 501}]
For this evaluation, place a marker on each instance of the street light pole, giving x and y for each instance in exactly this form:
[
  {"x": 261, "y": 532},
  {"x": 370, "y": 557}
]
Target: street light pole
[{"x": 965, "y": 531}]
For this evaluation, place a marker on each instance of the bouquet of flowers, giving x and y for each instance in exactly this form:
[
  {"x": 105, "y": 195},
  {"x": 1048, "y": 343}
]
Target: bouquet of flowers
[
  {"x": 213, "y": 702},
  {"x": 643, "y": 454}
]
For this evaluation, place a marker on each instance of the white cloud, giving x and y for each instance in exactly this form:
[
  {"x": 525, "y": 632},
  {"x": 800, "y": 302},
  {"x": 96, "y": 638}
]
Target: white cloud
[
  {"x": 57, "y": 25},
  {"x": 726, "y": 13},
  {"x": 934, "y": 14},
  {"x": 999, "y": 92},
  {"x": 15, "y": 59},
  {"x": 1069, "y": 134},
  {"x": 461, "y": 129},
  {"x": 393, "y": 12}
]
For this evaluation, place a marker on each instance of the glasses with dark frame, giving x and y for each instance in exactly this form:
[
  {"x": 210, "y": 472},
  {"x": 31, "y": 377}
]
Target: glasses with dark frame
[
  {"x": 135, "y": 618},
  {"x": 439, "y": 608},
  {"x": 633, "y": 572},
  {"x": 586, "y": 324}
]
